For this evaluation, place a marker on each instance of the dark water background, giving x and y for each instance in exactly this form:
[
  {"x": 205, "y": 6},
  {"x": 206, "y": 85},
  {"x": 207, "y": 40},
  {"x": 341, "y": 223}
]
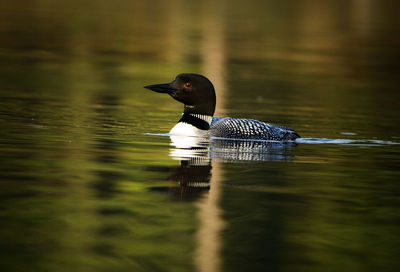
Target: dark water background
[{"x": 84, "y": 188}]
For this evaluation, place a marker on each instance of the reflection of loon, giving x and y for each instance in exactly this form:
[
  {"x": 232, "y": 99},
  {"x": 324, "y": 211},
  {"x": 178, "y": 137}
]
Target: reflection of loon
[
  {"x": 196, "y": 156},
  {"x": 198, "y": 95},
  {"x": 193, "y": 180},
  {"x": 201, "y": 151}
]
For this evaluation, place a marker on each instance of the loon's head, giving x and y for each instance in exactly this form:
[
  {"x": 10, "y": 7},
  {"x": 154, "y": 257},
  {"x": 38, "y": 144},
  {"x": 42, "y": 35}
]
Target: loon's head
[{"x": 193, "y": 90}]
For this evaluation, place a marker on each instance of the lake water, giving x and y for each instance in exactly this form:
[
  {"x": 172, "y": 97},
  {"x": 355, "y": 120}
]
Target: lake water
[{"x": 88, "y": 181}]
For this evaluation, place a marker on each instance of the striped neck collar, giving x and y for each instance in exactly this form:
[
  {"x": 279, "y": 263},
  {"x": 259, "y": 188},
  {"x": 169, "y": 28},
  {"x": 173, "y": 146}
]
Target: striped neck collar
[
  {"x": 199, "y": 121},
  {"x": 203, "y": 117}
]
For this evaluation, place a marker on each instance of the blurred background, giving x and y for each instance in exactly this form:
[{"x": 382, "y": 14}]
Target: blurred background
[
  {"x": 83, "y": 188},
  {"x": 330, "y": 57}
]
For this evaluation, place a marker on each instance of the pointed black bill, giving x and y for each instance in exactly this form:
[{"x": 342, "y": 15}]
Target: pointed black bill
[{"x": 161, "y": 88}]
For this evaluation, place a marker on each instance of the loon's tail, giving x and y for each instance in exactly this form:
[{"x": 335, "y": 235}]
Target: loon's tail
[{"x": 291, "y": 135}]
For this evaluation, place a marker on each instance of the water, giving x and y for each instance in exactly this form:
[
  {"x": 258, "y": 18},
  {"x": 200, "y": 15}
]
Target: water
[{"x": 88, "y": 184}]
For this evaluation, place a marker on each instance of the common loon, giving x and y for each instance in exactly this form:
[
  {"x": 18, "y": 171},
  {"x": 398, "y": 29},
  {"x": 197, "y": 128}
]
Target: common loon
[{"x": 197, "y": 93}]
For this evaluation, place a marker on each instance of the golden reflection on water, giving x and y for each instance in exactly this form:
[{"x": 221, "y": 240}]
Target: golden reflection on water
[
  {"x": 213, "y": 62},
  {"x": 208, "y": 257}
]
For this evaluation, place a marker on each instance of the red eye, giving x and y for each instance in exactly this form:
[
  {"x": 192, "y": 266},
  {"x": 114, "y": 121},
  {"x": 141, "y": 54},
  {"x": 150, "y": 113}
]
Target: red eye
[{"x": 188, "y": 84}]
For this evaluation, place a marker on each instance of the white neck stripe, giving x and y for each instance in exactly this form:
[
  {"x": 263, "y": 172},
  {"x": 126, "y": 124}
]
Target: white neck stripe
[{"x": 206, "y": 118}]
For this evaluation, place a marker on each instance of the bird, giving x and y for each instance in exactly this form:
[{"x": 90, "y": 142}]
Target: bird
[{"x": 197, "y": 93}]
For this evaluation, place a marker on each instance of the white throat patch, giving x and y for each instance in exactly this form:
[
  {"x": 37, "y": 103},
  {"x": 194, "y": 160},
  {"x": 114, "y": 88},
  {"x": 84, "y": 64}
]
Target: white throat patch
[{"x": 185, "y": 129}]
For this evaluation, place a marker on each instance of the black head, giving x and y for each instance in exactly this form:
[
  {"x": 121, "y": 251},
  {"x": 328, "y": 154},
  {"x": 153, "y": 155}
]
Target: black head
[{"x": 193, "y": 90}]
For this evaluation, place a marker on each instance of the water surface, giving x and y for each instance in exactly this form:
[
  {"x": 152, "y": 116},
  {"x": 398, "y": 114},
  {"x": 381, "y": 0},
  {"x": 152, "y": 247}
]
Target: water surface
[{"x": 87, "y": 184}]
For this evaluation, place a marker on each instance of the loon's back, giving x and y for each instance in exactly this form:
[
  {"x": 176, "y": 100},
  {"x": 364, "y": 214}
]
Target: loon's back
[{"x": 227, "y": 127}]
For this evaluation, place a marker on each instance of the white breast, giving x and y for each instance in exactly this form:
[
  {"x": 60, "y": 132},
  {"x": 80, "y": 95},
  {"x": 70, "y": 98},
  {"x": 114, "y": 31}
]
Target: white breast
[{"x": 185, "y": 129}]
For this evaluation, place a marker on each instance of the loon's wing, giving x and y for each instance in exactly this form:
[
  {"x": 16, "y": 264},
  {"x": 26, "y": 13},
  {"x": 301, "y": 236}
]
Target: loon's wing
[{"x": 227, "y": 127}]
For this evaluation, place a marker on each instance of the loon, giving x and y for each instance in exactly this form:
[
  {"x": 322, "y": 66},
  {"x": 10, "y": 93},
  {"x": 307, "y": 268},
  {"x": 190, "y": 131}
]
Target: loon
[{"x": 197, "y": 93}]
